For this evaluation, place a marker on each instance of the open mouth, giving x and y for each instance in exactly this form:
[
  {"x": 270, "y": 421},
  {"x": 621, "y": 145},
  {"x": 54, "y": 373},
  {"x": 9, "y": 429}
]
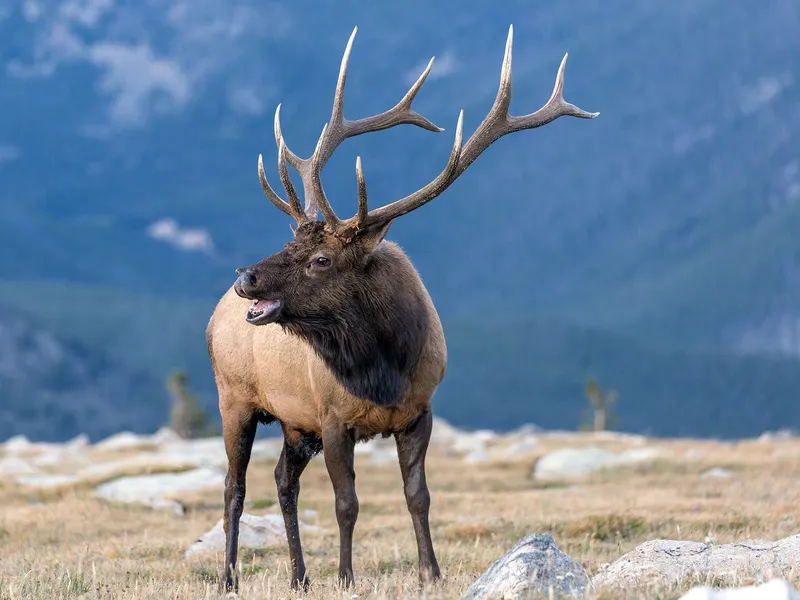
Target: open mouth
[{"x": 264, "y": 311}]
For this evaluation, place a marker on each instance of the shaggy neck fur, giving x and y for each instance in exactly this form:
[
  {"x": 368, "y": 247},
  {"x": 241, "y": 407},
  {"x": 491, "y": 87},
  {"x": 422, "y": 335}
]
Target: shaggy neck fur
[{"x": 374, "y": 345}]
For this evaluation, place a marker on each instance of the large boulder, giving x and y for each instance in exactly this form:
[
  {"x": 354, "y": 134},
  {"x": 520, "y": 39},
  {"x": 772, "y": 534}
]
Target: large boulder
[
  {"x": 669, "y": 563},
  {"x": 533, "y": 566}
]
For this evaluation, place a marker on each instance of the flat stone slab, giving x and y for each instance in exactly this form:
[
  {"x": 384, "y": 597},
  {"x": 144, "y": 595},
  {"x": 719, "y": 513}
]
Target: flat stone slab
[
  {"x": 162, "y": 491},
  {"x": 668, "y": 562},
  {"x": 578, "y": 462}
]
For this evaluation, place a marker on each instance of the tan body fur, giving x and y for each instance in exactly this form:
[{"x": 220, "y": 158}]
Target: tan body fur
[{"x": 275, "y": 371}]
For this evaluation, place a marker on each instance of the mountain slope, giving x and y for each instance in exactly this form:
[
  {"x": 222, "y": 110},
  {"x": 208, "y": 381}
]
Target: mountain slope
[
  {"x": 129, "y": 135},
  {"x": 53, "y": 390}
]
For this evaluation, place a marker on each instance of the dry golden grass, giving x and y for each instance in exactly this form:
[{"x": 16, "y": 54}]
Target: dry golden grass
[{"x": 65, "y": 544}]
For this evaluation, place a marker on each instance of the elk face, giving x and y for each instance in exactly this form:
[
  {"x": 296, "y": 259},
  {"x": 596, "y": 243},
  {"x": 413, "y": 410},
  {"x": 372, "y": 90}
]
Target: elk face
[{"x": 313, "y": 277}]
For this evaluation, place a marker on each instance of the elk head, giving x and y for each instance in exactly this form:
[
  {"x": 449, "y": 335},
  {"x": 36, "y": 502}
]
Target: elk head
[{"x": 318, "y": 273}]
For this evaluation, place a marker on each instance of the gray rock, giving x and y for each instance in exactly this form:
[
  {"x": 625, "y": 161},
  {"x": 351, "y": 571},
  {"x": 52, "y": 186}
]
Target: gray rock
[
  {"x": 124, "y": 440},
  {"x": 777, "y": 589},
  {"x": 478, "y": 456},
  {"x": 717, "y": 473},
  {"x": 16, "y": 443},
  {"x": 13, "y": 465},
  {"x": 667, "y": 562},
  {"x": 577, "y": 462},
  {"x": 47, "y": 481},
  {"x": 533, "y": 566},
  {"x": 162, "y": 491},
  {"x": 520, "y": 448},
  {"x": 443, "y": 433},
  {"x": 255, "y": 532},
  {"x": 384, "y": 456}
]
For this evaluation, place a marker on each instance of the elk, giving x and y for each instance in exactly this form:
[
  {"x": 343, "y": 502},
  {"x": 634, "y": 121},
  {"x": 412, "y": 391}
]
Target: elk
[{"x": 335, "y": 336}]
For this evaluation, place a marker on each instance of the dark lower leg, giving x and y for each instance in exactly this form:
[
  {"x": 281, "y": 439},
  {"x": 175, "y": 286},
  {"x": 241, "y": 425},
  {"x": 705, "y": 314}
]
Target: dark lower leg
[
  {"x": 239, "y": 431},
  {"x": 412, "y": 446},
  {"x": 338, "y": 444},
  {"x": 287, "y": 477}
]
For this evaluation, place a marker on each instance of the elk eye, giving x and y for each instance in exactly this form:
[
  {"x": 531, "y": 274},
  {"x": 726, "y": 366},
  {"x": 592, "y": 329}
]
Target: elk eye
[{"x": 322, "y": 261}]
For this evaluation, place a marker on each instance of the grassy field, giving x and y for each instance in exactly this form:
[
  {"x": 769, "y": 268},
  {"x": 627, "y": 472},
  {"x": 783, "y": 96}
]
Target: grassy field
[{"x": 65, "y": 544}]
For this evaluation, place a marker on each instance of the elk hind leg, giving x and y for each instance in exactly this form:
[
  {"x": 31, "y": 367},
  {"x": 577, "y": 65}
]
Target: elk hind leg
[{"x": 294, "y": 458}]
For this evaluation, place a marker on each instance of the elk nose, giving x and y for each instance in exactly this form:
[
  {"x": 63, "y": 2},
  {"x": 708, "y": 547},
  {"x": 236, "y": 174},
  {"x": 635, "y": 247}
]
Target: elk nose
[{"x": 247, "y": 277}]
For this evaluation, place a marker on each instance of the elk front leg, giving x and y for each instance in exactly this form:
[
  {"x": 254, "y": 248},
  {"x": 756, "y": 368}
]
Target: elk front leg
[
  {"x": 291, "y": 465},
  {"x": 412, "y": 446},
  {"x": 239, "y": 431},
  {"x": 337, "y": 447}
]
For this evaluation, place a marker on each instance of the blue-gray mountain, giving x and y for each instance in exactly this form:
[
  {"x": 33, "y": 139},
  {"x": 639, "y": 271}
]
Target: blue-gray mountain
[{"x": 654, "y": 248}]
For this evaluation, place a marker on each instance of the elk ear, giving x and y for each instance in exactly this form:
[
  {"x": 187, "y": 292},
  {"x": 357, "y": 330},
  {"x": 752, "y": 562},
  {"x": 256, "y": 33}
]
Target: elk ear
[{"x": 372, "y": 236}]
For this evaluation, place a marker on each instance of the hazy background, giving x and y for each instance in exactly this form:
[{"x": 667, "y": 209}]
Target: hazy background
[{"x": 654, "y": 249}]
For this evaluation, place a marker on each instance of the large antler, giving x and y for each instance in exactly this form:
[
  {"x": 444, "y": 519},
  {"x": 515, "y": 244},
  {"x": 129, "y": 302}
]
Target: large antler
[
  {"x": 496, "y": 124},
  {"x": 333, "y": 134}
]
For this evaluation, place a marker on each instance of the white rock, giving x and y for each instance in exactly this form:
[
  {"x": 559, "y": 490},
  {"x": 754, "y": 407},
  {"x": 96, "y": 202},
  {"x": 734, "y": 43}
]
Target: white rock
[
  {"x": 776, "y": 589},
  {"x": 468, "y": 442},
  {"x": 576, "y": 462},
  {"x": 47, "y": 481},
  {"x": 780, "y": 434},
  {"x": 477, "y": 457},
  {"x": 269, "y": 449},
  {"x": 165, "y": 435},
  {"x": 365, "y": 447},
  {"x": 123, "y": 440},
  {"x": 527, "y": 429},
  {"x": 519, "y": 448},
  {"x": 717, "y": 473},
  {"x": 160, "y": 491},
  {"x": 384, "y": 456},
  {"x": 13, "y": 465},
  {"x": 255, "y": 532},
  {"x": 16, "y": 443},
  {"x": 50, "y": 458},
  {"x": 443, "y": 433},
  {"x": 77, "y": 444},
  {"x": 668, "y": 562}
]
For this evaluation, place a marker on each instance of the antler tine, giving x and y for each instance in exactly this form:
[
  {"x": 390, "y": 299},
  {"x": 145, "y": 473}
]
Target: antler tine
[
  {"x": 294, "y": 200},
  {"x": 321, "y": 200},
  {"x": 494, "y": 126},
  {"x": 426, "y": 194},
  {"x": 339, "y": 129},
  {"x": 361, "y": 216},
  {"x": 276, "y": 200},
  {"x": 499, "y": 122}
]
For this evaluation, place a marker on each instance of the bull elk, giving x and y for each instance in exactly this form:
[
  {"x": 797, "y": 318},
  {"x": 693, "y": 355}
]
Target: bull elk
[{"x": 335, "y": 336}]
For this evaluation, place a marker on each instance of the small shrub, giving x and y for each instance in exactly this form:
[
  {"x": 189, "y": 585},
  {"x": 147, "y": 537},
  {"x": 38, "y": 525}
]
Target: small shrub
[{"x": 187, "y": 417}]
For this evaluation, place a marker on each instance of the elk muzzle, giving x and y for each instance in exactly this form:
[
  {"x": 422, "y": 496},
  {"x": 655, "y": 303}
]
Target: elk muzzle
[{"x": 264, "y": 310}]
